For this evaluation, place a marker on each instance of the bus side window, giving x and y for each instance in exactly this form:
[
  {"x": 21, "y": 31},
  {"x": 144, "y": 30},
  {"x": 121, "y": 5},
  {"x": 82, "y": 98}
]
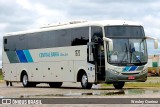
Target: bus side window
[
  {"x": 96, "y": 34},
  {"x": 80, "y": 36},
  {"x": 5, "y": 41}
]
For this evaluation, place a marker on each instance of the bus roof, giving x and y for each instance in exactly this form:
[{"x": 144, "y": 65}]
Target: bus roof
[{"x": 74, "y": 24}]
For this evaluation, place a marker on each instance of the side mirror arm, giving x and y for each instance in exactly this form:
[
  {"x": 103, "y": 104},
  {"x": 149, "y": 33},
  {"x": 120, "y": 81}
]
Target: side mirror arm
[{"x": 110, "y": 42}]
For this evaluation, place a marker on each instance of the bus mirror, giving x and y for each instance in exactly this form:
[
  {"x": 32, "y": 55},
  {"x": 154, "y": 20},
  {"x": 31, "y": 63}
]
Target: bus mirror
[
  {"x": 110, "y": 42},
  {"x": 155, "y": 41},
  {"x": 156, "y": 44},
  {"x": 111, "y": 46}
]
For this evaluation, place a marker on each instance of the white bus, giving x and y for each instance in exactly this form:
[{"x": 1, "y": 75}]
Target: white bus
[{"x": 110, "y": 51}]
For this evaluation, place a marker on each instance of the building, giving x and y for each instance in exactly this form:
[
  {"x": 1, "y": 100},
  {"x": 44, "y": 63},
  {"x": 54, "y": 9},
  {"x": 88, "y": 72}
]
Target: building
[{"x": 153, "y": 65}]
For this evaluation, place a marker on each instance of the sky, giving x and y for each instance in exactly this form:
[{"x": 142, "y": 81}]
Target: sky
[{"x": 17, "y": 15}]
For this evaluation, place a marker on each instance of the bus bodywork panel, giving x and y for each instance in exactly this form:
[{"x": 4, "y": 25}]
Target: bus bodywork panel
[{"x": 48, "y": 65}]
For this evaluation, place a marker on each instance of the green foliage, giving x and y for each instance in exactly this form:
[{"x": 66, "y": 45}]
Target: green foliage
[
  {"x": 0, "y": 71},
  {"x": 1, "y": 77},
  {"x": 143, "y": 84},
  {"x": 151, "y": 82}
]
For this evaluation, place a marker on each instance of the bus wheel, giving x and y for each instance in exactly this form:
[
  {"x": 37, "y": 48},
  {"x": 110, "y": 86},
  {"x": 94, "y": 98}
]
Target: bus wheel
[
  {"x": 55, "y": 84},
  {"x": 84, "y": 82},
  {"x": 25, "y": 81},
  {"x": 118, "y": 85}
]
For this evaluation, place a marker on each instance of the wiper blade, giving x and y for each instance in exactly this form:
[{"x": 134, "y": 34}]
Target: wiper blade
[{"x": 126, "y": 54}]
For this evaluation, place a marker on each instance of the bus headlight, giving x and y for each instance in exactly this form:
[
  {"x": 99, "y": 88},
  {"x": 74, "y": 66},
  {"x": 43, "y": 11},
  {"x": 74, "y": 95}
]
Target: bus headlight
[
  {"x": 114, "y": 71},
  {"x": 144, "y": 71}
]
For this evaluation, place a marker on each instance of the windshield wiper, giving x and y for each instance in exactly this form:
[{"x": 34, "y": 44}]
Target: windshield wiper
[{"x": 125, "y": 54}]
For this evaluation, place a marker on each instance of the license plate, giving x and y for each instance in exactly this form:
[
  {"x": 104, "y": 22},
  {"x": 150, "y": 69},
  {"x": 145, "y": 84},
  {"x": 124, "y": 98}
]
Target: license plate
[{"x": 131, "y": 77}]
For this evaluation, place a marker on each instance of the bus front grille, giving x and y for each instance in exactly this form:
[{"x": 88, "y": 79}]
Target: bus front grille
[{"x": 130, "y": 73}]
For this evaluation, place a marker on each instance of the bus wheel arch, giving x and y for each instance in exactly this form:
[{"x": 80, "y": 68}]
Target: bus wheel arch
[
  {"x": 79, "y": 75},
  {"x": 83, "y": 78}
]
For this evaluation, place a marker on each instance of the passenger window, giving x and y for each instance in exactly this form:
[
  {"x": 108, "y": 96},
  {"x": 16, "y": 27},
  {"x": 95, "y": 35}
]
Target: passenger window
[
  {"x": 96, "y": 34},
  {"x": 80, "y": 36},
  {"x": 5, "y": 41}
]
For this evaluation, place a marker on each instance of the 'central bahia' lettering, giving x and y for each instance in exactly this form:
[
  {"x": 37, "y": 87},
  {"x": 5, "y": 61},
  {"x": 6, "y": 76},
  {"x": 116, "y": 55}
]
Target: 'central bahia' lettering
[{"x": 49, "y": 54}]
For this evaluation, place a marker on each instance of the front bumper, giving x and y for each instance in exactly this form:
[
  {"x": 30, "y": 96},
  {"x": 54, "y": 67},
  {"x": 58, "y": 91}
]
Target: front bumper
[{"x": 112, "y": 77}]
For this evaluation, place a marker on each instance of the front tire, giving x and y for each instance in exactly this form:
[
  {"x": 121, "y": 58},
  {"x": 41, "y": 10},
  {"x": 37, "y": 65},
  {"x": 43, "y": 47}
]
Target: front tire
[
  {"x": 84, "y": 82},
  {"x": 118, "y": 85}
]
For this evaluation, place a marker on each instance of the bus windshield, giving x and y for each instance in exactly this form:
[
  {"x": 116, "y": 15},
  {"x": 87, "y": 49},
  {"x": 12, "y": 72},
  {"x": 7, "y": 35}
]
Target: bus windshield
[
  {"x": 128, "y": 51},
  {"x": 129, "y": 45}
]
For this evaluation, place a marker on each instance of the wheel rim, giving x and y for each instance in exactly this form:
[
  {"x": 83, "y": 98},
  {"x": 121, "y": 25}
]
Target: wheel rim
[
  {"x": 25, "y": 79},
  {"x": 84, "y": 80}
]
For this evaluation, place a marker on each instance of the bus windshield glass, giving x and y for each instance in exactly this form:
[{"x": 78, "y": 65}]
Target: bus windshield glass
[
  {"x": 128, "y": 51},
  {"x": 129, "y": 45}
]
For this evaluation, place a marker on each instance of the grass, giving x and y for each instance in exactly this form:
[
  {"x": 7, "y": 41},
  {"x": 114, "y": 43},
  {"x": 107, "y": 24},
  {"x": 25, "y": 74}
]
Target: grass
[
  {"x": 1, "y": 77},
  {"x": 143, "y": 84},
  {"x": 151, "y": 82}
]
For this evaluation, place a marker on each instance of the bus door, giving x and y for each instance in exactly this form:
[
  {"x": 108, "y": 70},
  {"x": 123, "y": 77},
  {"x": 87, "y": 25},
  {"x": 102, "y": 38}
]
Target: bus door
[{"x": 96, "y": 57}]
